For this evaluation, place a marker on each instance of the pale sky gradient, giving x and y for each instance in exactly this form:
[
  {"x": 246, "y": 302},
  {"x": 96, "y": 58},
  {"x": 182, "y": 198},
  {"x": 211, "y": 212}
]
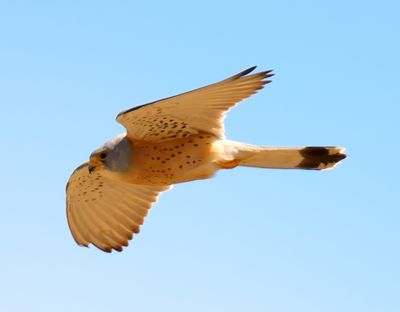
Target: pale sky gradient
[{"x": 248, "y": 240}]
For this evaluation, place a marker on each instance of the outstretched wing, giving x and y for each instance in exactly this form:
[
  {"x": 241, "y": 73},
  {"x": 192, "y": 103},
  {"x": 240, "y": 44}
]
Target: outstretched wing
[
  {"x": 189, "y": 113},
  {"x": 104, "y": 212}
]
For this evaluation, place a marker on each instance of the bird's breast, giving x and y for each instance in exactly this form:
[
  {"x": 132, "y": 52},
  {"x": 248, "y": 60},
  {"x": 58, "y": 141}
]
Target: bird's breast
[{"x": 173, "y": 161}]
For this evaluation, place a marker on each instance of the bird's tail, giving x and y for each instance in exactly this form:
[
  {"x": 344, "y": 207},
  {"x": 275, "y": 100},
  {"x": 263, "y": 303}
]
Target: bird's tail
[{"x": 312, "y": 157}]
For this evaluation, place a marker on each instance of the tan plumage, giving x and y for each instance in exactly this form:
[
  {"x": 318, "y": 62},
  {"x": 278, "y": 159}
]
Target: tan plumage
[
  {"x": 173, "y": 140},
  {"x": 105, "y": 212},
  {"x": 200, "y": 110}
]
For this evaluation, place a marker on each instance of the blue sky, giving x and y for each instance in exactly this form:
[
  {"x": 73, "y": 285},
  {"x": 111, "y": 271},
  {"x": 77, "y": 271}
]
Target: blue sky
[{"x": 248, "y": 240}]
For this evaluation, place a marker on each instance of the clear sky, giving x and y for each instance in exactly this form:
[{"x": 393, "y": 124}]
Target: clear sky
[{"x": 248, "y": 240}]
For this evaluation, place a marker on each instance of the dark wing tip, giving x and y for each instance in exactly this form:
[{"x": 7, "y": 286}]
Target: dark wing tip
[
  {"x": 269, "y": 73},
  {"x": 266, "y": 74},
  {"x": 264, "y": 82},
  {"x": 263, "y": 75},
  {"x": 242, "y": 73},
  {"x": 111, "y": 248},
  {"x": 79, "y": 243},
  {"x": 247, "y": 71},
  {"x": 118, "y": 248}
]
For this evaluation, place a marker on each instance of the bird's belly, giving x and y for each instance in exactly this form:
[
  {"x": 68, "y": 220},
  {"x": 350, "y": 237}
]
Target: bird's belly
[{"x": 173, "y": 161}]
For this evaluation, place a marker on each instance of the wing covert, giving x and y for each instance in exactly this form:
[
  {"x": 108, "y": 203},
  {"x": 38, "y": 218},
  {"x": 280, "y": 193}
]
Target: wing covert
[{"x": 199, "y": 110}]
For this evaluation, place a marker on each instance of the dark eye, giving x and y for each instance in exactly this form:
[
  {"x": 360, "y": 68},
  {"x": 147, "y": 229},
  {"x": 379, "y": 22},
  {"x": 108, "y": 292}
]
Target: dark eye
[{"x": 103, "y": 156}]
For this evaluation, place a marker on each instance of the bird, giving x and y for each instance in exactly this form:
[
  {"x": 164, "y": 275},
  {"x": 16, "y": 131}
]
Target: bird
[{"x": 173, "y": 140}]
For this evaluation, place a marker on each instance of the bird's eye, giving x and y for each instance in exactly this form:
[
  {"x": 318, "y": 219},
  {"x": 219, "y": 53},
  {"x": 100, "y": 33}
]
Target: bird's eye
[{"x": 103, "y": 156}]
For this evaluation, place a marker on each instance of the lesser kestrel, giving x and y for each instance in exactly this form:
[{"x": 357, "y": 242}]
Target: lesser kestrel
[{"x": 173, "y": 140}]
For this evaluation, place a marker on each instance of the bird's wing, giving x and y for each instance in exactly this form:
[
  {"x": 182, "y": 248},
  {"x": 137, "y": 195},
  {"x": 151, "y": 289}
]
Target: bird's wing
[
  {"x": 104, "y": 212},
  {"x": 188, "y": 113}
]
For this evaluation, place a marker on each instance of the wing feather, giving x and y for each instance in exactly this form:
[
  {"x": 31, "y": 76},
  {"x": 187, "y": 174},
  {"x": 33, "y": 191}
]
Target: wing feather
[
  {"x": 116, "y": 232},
  {"x": 189, "y": 113},
  {"x": 104, "y": 212}
]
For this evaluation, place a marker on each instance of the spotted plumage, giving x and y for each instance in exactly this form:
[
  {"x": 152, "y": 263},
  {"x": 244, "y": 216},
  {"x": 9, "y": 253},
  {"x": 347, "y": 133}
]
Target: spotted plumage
[{"x": 173, "y": 140}]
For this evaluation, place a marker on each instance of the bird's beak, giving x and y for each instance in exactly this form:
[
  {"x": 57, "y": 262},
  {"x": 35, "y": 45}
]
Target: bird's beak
[
  {"x": 91, "y": 168},
  {"x": 93, "y": 165}
]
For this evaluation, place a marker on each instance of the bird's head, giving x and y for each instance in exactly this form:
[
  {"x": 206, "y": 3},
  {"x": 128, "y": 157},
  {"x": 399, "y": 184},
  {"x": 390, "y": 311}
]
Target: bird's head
[{"x": 114, "y": 155}]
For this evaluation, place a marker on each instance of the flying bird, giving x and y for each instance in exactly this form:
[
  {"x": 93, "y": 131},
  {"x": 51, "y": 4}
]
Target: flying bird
[{"x": 172, "y": 140}]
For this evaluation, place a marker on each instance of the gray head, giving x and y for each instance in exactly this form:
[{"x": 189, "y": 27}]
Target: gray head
[{"x": 115, "y": 155}]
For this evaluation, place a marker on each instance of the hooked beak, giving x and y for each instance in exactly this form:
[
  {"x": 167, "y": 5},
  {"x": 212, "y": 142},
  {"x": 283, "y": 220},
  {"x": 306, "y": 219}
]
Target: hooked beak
[
  {"x": 93, "y": 165},
  {"x": 91, "y": 168}
]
